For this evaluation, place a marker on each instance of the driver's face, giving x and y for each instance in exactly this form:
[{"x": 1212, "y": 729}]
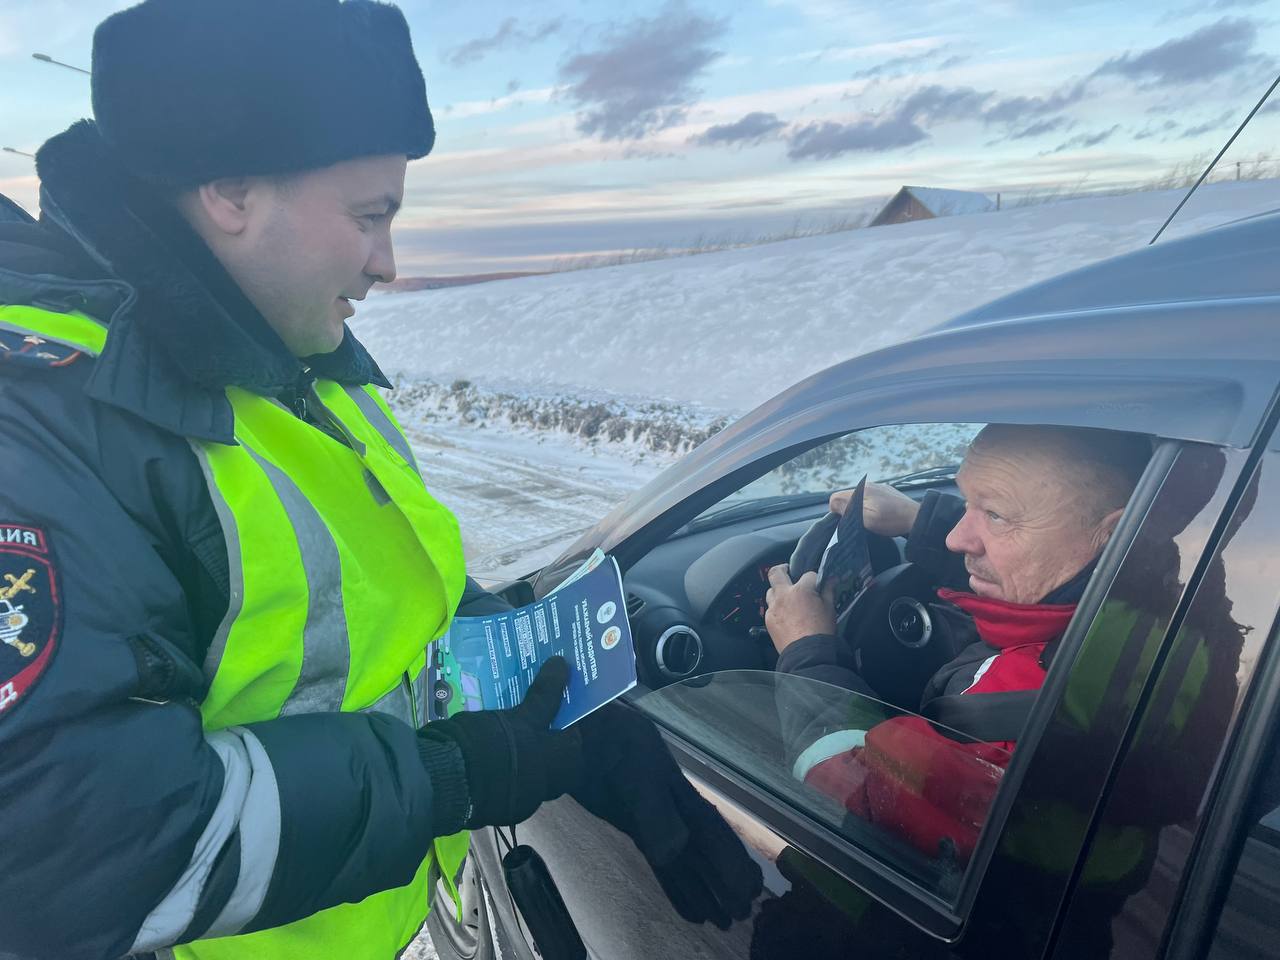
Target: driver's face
[{"x": 1025, "y": 529}]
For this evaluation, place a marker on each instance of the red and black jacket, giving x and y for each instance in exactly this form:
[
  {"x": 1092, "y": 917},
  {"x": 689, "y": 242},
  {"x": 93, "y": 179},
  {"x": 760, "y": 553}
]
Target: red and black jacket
[{"x": 916, "y": 777}]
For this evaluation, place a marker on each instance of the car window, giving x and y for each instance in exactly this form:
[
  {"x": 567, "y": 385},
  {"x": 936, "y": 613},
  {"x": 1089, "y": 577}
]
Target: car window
[
  {"x": 879, "y": 453},
  {"x": 911, "y": 793},
  {"x": 1249, "y": 924},
  {"x": 829, "y": 727}
]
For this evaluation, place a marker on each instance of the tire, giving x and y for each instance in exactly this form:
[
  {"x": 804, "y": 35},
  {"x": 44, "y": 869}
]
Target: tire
[{"x": 472, "y": 939}]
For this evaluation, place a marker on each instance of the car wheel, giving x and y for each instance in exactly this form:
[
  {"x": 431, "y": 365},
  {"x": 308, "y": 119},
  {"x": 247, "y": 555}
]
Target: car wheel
[{"x": 472, "y": 938}]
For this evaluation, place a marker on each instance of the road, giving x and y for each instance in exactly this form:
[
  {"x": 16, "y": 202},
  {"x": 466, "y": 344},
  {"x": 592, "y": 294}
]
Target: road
[{"x": 519, "y": 496}]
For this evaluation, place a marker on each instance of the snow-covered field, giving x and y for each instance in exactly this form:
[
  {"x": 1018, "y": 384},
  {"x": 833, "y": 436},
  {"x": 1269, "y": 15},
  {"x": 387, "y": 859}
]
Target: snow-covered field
[
  {"x": 729, "y": 330},
  {"x": 535, "y": 404}
]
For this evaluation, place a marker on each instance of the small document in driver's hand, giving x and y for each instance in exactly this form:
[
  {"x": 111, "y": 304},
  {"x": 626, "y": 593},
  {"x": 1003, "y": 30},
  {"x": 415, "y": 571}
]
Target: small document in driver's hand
[
  {"x": 845, "y": 569},
  {"x": 488, "y": 663}
]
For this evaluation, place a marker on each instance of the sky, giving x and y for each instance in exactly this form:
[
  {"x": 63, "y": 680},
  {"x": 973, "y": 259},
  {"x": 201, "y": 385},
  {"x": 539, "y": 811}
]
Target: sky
[{"x": 568, "y": 128}]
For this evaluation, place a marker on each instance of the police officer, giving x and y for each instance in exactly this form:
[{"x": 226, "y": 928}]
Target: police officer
[{"x": 219, "y": 566}]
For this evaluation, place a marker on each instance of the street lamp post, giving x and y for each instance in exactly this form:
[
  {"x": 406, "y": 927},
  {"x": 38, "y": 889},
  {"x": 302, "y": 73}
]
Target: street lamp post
[
  {"x": 21, "y": 153},
  {"x": 44, "y": 57}
]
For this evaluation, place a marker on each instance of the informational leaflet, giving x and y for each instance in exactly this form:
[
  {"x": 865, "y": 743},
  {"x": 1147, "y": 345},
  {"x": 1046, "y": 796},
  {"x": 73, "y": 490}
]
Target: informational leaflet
[{"x": 488, "y": 663}]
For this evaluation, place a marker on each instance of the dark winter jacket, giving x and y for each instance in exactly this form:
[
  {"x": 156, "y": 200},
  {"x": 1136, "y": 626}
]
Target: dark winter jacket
[
  {"x": 106, "y": 781},
  {"x": 931, "y": 787}
]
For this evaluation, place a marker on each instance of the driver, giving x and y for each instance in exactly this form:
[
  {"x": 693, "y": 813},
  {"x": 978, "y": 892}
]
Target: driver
[{"x": 1012, "y": 559}]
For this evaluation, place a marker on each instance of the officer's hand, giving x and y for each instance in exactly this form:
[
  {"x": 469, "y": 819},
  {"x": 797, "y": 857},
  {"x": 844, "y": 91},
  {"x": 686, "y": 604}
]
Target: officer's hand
[
  {"x": 635, "y": 785},
  {"x": 513, "y": 760},
  {"x": 885, "y": 510},
  {"x": 796, "y": 610}
]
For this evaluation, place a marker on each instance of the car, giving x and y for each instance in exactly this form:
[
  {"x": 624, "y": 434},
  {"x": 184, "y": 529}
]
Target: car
[{"x": 1107, "y": 836}]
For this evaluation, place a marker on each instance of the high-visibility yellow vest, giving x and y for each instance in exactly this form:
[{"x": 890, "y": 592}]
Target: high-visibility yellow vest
[{"x": 340, "y": 556}]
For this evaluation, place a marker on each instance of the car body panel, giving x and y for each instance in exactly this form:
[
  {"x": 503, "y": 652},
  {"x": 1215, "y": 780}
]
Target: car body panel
[
  {"x": 1188, "y": 720},
  {"x": 1192, "y": 370},
  {"x": 1075, "y": 833},
  {"x": 1232, "y": 262}
]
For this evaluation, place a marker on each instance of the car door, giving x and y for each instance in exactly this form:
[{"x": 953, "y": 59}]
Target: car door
[
  {"x": 1213, "y": 889},
  {"x": 1042, "y": 850},
  {"x": 824, "y": 891}
]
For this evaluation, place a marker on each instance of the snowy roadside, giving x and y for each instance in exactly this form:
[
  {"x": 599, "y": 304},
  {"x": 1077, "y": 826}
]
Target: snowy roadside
[
  {"x": 520, "y": 496},
  {"x": 728, "y": 330},
  {"x": 520, "y": 397}
]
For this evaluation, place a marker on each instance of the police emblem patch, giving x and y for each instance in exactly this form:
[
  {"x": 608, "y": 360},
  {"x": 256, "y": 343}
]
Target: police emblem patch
[
  {"x": 21, "y": 350},
  {"x": 30, "y": 611}
]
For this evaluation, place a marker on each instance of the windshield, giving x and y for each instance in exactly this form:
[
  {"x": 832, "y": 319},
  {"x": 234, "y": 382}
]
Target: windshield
[{"x": 901, "y": 452}]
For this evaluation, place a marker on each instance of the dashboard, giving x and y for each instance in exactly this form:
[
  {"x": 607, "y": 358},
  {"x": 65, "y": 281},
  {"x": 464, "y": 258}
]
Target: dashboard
[{"x": 696, "y": 601}]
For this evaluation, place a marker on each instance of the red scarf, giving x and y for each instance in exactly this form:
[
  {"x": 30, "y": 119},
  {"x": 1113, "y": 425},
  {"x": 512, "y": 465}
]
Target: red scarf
[{"x": 1019, "y": 631}]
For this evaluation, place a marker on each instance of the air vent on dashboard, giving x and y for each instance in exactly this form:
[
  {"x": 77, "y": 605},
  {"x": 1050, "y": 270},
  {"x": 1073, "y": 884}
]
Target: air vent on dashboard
[
  {"x": 679, "y": 651},
  {"x": 634, "y": 604}
]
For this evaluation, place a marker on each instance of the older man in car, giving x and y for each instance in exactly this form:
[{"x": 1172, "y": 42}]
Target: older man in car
[{"x": 1039, "y": 504}]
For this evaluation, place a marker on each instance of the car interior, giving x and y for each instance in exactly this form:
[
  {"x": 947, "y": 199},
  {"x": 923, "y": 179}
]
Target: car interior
[{"x": 705, "y": 661}]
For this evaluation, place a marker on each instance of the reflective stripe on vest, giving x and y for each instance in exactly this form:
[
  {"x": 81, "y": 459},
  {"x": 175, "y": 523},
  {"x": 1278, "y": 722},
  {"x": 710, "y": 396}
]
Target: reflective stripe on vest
[{"x": 339, "y": 554}]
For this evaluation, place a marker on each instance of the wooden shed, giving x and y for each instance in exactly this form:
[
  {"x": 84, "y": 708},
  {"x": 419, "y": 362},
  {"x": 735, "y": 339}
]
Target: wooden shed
[{"x": 925, "y": 203}]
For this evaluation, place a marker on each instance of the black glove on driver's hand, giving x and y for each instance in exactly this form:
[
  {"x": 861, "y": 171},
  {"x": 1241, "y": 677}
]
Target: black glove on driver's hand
[
  {"x": 635, "y": 785},
  {"x": 513, "y": 760}
]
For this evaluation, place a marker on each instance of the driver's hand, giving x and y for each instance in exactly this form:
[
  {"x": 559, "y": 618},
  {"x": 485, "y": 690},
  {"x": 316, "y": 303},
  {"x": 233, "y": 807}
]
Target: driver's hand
[
  {"x": 885, "y": 511},
  {"x": 796, "y": 610}
]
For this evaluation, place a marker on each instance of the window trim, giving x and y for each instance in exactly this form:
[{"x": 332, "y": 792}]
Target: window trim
[
  {"x": 1110, "y": 562},
  {"x": 1220, "y": 841},
  {"x": 924, "y": 910},
  {"x": 936, "y": 916}
]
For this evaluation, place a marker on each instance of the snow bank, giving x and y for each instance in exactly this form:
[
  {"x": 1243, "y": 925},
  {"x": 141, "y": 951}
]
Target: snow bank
[{"x": 725, "y": 331}]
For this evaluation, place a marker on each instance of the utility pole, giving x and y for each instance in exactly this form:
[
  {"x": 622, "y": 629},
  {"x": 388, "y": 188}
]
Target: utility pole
[{"x": 45, "y": 58}]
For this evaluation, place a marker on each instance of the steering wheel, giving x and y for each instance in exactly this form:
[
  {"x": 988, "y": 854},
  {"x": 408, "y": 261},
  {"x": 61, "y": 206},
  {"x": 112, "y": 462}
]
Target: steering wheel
[{"x": 889, "y": 627}]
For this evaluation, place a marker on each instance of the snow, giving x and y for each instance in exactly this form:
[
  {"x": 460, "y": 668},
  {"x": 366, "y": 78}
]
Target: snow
[
  {"x": 728, "y": 330},
  {"x": 520, "y": 497},
  {"x": 534, "y": 405},
  {"x": 946, "y": 203}
]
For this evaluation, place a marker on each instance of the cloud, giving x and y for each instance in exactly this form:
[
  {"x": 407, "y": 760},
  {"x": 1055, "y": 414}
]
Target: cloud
[
  {"x": 1085, "y": 140},
  {"x": 754, "y": 128},
  {"x": 1040, "y": 127},
  {"x": 823, "y": 141},
  {"x": 1212, "y": 51},
  {"x": 902, "y": 125},
  {"x": 1165, "y": 128},
  {"x": 1208, "y": 126},
  {"x": 509, "y": 34},
  {"x": 915, "y": 48},
  {"x": 515, "y": 98},
  {"x": 938, "y": 104},
  {"x": 909, "y": 63},
  {"x": 1017, "y": 110},
  {"x": 641, "y": 78}
]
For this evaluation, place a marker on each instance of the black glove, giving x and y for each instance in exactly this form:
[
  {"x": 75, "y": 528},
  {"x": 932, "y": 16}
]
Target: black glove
[
  {"x": 513, "y": 760},
  {"x": 635, "y": 785}
]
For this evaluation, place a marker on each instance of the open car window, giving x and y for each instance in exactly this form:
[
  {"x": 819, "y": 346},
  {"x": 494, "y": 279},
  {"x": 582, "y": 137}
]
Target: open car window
[
  {"x": 910, "y": 793},
  {"x": 856, "y": 757}
]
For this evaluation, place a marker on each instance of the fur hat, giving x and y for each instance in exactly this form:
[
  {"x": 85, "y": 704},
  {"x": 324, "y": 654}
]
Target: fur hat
[{"x": 187, "y": 91}]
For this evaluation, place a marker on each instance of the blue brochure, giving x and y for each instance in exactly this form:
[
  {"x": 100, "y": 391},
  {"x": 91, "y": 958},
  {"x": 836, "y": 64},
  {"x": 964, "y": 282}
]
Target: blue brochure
[{"x": 488, "y": 663}]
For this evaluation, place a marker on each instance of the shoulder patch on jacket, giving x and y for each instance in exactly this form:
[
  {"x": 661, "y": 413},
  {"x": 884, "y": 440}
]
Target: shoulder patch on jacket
[
  {"x": 30, "y": 611},
  {"x": 28, "y": 350}
]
